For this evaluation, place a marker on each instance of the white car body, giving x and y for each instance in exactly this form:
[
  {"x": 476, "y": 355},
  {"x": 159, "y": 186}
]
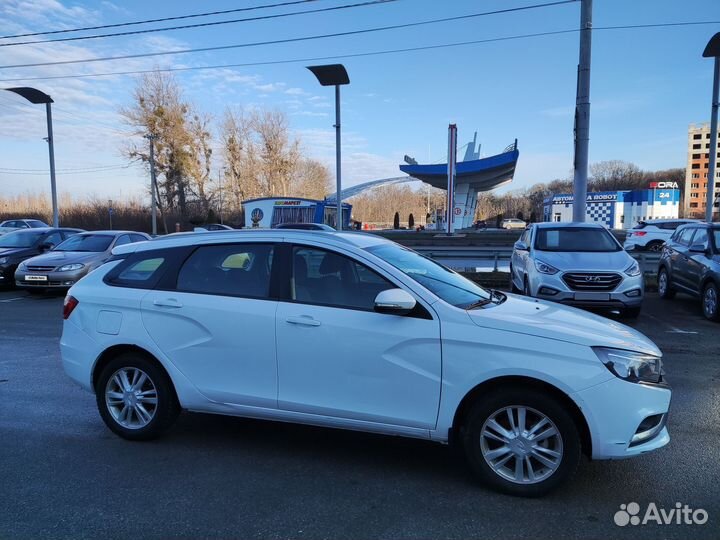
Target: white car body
[
  {"x": 513, "y": 223},
  {"x": 651, "y": 235},
  {"x": 574, "y": 271},
  {"x": 12, "y": 225},
  {"x": 357, "y": 369}
]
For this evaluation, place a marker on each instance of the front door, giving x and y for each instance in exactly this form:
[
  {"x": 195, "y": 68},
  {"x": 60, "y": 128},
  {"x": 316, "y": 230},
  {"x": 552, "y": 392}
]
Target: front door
[
  {"x": 337, "y": 357},
  {"x": 218, "y": 325}
]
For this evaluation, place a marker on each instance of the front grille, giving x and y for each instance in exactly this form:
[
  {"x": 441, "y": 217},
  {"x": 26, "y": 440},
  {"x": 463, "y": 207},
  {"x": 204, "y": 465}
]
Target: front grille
[
  {"x": 592, "y": 281},
  {"x": 41, "y": 268}
]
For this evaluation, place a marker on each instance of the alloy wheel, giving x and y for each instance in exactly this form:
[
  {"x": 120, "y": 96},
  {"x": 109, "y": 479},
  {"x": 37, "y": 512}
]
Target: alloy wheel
[
  {"x": 710, "y": 301},
  {"x": 662, "y": 283},
  {"x": 521, "y": 444},
  {"x": 131, "y": 397}
]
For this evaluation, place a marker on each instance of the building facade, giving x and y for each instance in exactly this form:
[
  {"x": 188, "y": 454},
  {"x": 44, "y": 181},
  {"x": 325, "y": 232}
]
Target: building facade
[
  {"x": 696, "y": 173},
  {"x": 619, "y": 209},
  {"x": 270, "y": 212}
]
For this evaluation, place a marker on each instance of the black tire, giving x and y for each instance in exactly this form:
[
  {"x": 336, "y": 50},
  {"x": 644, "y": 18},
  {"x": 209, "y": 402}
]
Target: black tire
[
  {"x": 526, "y": 287},
  {"x": 631, "y": 312},
  {"x": 540, "y": 402},
  {"x": 666, "y": 292},
  {"x": 165, "y": 410},
  {"x": 711, "y": 309},
  {"x": 655, "y": 246}
]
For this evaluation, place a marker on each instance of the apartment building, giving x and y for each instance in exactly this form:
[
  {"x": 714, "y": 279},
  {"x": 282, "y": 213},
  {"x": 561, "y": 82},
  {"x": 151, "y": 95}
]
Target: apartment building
[{"x": 696, "y": 174}]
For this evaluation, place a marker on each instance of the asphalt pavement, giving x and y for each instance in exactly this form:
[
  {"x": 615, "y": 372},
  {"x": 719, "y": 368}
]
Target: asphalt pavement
[{"x": 64, "y": 475}]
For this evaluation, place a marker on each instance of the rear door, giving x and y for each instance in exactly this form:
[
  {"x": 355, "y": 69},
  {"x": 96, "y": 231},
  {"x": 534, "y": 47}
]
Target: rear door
[
  {"x": 680, "y": 257},
  {"x": 215, "y": 321}
]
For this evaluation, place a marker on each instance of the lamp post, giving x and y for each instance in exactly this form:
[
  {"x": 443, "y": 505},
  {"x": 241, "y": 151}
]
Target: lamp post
[
  {"x": 153, "y": 185},
  {"x": 35, "y": 96},
  {"x": 334, "y": 75},
  {"x": 713, "y": 50}
]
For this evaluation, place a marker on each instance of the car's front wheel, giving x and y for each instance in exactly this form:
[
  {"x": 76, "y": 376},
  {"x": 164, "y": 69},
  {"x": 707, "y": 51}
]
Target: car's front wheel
[
  {"x": 521, "y": 442},
  {"x": 135, "y": 397},
  {"x": 711, "y": 302},
  {"x": 664, "y": 289}
]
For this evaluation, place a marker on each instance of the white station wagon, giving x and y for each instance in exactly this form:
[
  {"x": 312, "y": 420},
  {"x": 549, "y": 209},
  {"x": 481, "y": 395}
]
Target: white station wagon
[{"x": 348, "y": 330}]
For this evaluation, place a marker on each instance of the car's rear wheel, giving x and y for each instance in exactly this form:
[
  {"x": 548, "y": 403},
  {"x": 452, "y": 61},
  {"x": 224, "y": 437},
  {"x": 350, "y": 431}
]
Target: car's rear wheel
[
  {"x": 655, "y": 246},
  {"x": 711, "y": 302},
  {"x": 521, "y": 442},
  {"x": 135, "y": 397},
  {"x": 664, "y": 289}
]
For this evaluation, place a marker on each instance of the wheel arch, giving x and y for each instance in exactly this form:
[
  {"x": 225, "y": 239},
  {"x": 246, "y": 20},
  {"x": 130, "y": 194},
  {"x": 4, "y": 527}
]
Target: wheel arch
[{"x": 516, "y": 381}]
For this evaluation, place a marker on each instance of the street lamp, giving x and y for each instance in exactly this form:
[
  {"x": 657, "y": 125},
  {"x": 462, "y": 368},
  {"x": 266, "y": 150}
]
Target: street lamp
[
  {"x": 713, "y": 50},
  {"x": 35, "y": 96},
  {"x": 334, "y": 75}
]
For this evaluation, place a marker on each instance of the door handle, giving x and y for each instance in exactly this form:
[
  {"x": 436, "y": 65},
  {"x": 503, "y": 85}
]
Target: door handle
[
  {"x": 303, "y": 320},
  {"x": 168, "y": 302}
]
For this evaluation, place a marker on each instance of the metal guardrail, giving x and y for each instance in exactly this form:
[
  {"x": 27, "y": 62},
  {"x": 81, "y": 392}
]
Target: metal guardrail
[{"x": 648, "y": 261}]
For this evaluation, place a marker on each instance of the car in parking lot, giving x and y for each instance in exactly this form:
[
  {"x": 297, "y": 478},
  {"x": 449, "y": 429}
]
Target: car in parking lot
[
  {"x": 11, "y": 225},
  {"x": 579, "y": 264},
  {"x": 349, "y": 330},
  {"x": 19, "y": 245},
  {"x": 513, "y": 223},
  {"x": 651, "y": 235},
  {"x": 67, "y": 263},
  {"x": 690, "y": 264}
]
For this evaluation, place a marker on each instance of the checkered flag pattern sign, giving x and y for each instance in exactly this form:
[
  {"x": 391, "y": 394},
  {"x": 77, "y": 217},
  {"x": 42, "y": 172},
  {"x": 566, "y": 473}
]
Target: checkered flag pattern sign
[{"x": 599, "y": 212}]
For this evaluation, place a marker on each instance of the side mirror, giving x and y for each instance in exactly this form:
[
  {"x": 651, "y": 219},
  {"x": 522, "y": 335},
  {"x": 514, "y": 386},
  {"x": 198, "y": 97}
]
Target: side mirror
[
  {"x": 394, "y": 302},
  {"x": 521, "y": 246},
  {"x": 698, "y": 248},
  {"x": 46, "y": 246}
]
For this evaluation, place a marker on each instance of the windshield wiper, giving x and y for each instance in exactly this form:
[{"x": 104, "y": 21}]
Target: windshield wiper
[{"x": 479, "y": 303}]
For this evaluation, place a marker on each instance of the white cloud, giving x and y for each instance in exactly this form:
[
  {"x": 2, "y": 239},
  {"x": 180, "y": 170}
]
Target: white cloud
[{"x": 295, "y": 91}]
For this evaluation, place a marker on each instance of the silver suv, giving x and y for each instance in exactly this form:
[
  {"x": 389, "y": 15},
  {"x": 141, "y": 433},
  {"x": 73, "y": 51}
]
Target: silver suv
[{"x": 580, "y": 264}]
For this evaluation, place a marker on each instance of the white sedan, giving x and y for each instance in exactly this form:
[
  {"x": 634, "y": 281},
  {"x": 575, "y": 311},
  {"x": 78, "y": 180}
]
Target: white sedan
[{"x": 348, "y": 330}]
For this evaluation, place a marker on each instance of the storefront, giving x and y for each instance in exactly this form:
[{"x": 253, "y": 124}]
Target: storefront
[{"x": 272, "y": 211}]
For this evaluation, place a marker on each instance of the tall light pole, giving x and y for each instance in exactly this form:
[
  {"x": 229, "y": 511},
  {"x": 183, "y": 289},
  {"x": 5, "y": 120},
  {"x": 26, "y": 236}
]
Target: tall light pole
[
  {"x": 582, "y": 114},
  {"x": 153, "y": 183},
  {"x": 35, "y": 96},
  {"x": 334, "y": 75},
  {"x": 713, "y": 50}
]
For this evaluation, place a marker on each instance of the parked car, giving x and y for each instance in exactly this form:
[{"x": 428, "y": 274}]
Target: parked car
[
  {"x": 19, "y": 245},
  {"x": 651, "y": 235},
  {"x": 11, "y": 225},
  {"x": 480, "y": 224},
  {"x": 577, "y": 264},
  {"x": 64, "y": 265},
  {"x": 349, "y": 330},
  {"x": 513, "y": 224},
  {"x": 212, "y": 227},
  {"x": 690, "y": 263},
  {"x": 306, "y": 226}
]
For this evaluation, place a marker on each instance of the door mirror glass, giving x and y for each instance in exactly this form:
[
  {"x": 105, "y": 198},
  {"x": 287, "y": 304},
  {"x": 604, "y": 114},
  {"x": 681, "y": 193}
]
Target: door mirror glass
[
  {"x": 395, "y": 302},
  {"x": 698, "y": 248},
  {"x": 521, "y": 246}
]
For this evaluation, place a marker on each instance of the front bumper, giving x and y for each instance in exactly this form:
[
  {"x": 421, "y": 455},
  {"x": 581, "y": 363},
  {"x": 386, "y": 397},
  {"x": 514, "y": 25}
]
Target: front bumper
[
  {"x": 629, "y": 292},
  {"x": 615, "y": 411},
  {"x": 48, "y": 280}
]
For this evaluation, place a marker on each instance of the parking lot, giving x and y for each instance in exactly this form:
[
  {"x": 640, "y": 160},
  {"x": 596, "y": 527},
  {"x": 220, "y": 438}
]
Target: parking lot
[{"x": 63, "y": 474}]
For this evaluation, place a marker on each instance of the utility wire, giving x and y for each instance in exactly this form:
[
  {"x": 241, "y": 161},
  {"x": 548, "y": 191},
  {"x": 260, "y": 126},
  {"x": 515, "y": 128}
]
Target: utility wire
[
  {"x": 201, "y": 25},
  {"x": 294, "y": 40},
  {"x": 353, "y": 55},
  {"x": 164, "y": 19}
]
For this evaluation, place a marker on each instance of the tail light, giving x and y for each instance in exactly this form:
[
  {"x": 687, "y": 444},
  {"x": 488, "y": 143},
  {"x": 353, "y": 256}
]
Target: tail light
[
  {"x": 640, "y": 233},
  {"x": 69, "y": 305}
]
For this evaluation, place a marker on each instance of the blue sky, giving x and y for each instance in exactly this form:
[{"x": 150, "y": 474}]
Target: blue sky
[{"x": 647, "y": 85}]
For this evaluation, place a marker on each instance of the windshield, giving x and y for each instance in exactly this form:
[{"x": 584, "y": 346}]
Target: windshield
[
  {"x": 86, "y": 242},
  {"x": 575, "y": 239},
  {"x": 448, "y": 285},
  {"x": 36, "y": 224},
  {"x": 19, "y": 239}
]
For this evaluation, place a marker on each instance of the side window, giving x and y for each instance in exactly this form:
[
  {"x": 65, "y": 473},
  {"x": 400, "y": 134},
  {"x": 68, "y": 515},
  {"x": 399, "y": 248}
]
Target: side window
[
  {"x": 526, "y": 237},
  {"x": 685, "y": 235},
  {"x": 122, "y": 240},
  {"x": 137, "y": 238},
  {"x": 232, "y": 270},
  {"x": 701, "y": 237},
  {"x": 141, "y": 271},
  {"x": 53, "y": 238},
  {"x": 327, "y": 278}
]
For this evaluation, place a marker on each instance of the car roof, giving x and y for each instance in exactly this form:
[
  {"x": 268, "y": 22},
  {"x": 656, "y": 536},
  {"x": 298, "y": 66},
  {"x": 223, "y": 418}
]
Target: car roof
[
  {"x": 112, "y": 233},
  {"x": 556, "y": 225},
  {"x": 46, "y": 229},
  {"x": 347, "y": 238}
]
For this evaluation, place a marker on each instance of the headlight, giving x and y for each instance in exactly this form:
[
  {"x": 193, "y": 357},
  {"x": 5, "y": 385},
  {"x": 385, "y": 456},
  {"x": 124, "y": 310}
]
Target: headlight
[
  {"x": 633, "y": 270},
  {"x": 4, "y": 260},
  {"x": 545, "y": 268},
  {"x": 630, "y": 365},
  {"x": 70, "y": 267}
]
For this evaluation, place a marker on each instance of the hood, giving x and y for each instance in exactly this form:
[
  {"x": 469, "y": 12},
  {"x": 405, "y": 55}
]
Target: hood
[
  {"x": 59, "y": 258},
  {"x": 555, "y": 321},
  {"x": 9, "y": 252},
  {"x": 616, "y": 261}
]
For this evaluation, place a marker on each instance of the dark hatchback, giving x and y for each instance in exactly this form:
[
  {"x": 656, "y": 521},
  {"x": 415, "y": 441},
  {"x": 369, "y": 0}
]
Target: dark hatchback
[
  {"x": 690, "y": 263},
  {"x": 17, "y": 246}
]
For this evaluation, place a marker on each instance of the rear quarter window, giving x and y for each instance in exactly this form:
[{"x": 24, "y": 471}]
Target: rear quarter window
[{"x": 143, "y": 270}]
